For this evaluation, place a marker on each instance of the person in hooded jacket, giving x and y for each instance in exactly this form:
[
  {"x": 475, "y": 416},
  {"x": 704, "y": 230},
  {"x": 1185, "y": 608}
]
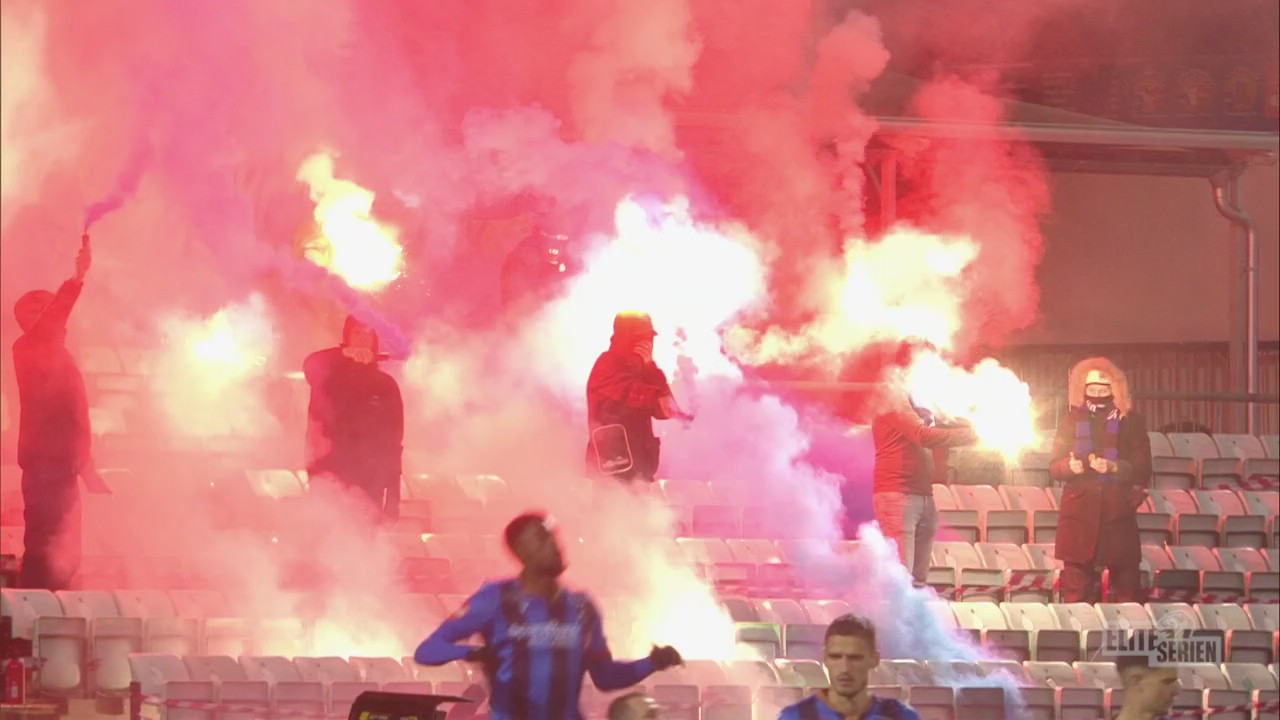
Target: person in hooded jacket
[
  {"x": 53, "y": 432},
  {"x": 627, "y": 390},
  {"x": 355, "y": 421},
  {"x": 1102, "y": 455}
]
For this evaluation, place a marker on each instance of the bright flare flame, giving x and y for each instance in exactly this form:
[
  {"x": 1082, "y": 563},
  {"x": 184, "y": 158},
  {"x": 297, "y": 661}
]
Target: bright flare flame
[
  {"x": 907, "y": 284},
  {"x": 990, "y": 396},
  {"x": 691, "y": 278},
  {"x": 352, "y": 244},
  {"x": 203, "y": 369},
  {"x": 904, "y": 285}
]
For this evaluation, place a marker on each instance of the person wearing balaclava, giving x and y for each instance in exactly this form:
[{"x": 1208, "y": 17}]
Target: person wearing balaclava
[
  {"x": 627, "y": 390},
  {"x": 53, "y": 432},
  {"x": 1102, "y": 455},
  {"x": 355, "y": 421},
  {"x": 910, "y": 451}
]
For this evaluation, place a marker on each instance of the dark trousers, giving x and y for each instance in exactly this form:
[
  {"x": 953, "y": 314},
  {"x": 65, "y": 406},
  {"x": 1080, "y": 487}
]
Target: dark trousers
[
  {"x": 1082, "y": 582},
  {"x": 51, "y": 500}
]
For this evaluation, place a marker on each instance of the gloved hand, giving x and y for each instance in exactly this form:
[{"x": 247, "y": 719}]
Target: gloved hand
[{"x": 665, "y": 657}]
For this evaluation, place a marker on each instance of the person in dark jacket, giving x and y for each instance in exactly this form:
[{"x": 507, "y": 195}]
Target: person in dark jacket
[
  {"x": 355, "y": 422},
  {"x": 905, "y": 470},
  {"x": 625, "y": 393},
  {"x": 53, "y": 432},
  {"x": 1102, "y": 454}
]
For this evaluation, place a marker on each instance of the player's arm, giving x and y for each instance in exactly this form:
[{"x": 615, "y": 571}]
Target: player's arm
[
  {"x": 609, "y": 674},
  {"x": 617, "y": 382},
  {"x": 442, "y": 646}
]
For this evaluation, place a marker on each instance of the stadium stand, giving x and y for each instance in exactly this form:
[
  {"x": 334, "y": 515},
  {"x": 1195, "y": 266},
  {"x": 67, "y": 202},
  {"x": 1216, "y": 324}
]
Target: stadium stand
[{"x": 1209, "y": 535}]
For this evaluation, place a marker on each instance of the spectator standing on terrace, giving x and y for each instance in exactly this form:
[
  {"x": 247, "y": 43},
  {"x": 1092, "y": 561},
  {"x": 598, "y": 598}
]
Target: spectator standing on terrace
[
  {"x": 625, "y": 393},
  {"x": 906, "y": 466},
  {"x": 849, "y": 654},
  {"x": 355, "y": 421},
  {"x": 540, "y": 638},
  {"x": 1149, "y": 691},
  {"x": 1102, "y": 455},
  {"x": 53, "y": 432}
]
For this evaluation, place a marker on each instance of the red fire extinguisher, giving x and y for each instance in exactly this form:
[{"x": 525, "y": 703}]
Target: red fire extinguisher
[{"x": 15, "y": 682}]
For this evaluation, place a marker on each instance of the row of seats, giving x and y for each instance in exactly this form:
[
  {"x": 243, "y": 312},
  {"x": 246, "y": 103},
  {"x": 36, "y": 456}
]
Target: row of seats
[
  {"x": 454, "y": 564},
  {"x": 702, "y": 689},
  {"x": 973, "y": 513},
  {"x": 185, "y": 622}
]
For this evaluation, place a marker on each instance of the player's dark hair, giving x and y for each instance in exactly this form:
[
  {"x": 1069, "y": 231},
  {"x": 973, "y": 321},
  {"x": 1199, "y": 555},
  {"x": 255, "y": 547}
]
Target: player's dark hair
[
  {"x": 518, "y": 526},
  {"x": 852, "y": 626},
  {"x": 618, "y": 708}
]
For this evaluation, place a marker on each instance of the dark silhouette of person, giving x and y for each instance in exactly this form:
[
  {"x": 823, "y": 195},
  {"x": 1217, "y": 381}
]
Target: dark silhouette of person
[
  {"x": 355, "y": 421},
  {"x": 53, "y": 431}
]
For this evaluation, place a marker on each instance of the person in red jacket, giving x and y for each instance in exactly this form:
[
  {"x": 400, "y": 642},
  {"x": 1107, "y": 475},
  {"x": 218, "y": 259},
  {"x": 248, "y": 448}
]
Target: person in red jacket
[
  {"x": 1102, "y": 454},
  {"x": 53, "y": 432},
  {"x": 626, "y": 391},
  {"x": 905, "y": 470}
]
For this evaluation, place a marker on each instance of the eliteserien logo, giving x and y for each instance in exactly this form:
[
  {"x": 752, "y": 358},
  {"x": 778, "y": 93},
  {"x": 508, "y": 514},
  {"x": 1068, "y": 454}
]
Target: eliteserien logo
[{"x": 1174, "y": 641}]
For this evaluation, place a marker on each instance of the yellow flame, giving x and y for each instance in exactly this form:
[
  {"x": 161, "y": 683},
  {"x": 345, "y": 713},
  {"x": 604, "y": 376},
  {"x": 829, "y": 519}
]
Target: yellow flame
[
  {"x": 351, "y": 243},
  {"x": 234, "y": 345},
  {"x": 990, "y": 396}
]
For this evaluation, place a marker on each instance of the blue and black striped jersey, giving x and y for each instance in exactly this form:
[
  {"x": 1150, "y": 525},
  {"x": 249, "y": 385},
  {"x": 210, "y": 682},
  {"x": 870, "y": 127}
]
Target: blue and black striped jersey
[{"x": 544, "y": 649}]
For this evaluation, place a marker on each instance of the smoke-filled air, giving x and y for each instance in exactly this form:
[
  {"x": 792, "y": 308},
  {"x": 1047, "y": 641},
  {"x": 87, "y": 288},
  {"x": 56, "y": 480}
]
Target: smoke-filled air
[{"x": 253, "y": 172}]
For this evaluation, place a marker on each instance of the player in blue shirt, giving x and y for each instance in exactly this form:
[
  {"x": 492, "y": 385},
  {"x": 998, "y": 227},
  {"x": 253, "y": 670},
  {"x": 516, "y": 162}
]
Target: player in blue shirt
[
  {"x": 849, "y": 653},
  {"x": 539, "y": 639}
]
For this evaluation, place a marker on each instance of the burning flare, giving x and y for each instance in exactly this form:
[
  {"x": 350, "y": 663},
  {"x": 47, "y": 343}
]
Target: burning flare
[
  {"x": 990, "y": 396},
  {"x": 690, "y": 277},
  {"x": 205, "y": 370},
  {"x": 351, "y": 243}
]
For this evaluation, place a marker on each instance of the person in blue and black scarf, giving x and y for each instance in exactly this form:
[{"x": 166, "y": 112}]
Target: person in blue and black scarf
[{"x": 1102, "y": 455}]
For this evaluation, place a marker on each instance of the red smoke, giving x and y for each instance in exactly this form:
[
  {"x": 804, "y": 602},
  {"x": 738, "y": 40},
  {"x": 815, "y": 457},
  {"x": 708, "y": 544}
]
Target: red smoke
[{"x": 448, "y": 112}]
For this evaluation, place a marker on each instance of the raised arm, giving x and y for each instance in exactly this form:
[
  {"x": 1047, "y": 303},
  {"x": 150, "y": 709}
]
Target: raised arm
[
  {"x": 54, "y": 318},
  {"x": 442, "y": 646}
]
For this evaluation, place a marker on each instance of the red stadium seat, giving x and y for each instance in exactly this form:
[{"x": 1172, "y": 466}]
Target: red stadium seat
[
  {"x": 824, "y": 612},
  {"x": 782, "y": 612},
  {"x": 1049, "y": 641},
  {"x": 1040, "y": 508},
  {"x": 1191, "y": 527},
  {"x": 1213, "y": 579},
  {"x": 997, "y": 522},
  {"x": 1244, "y": 643},
  {"x": 971, "y": 578},
  {"x": 717, "y": 521},
  {"x": 755, "y": 551},
  {"x": 1236, "y": 527},
  {"x": 963, "y": 524},
  {"x": 1023, "y": 582}
]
